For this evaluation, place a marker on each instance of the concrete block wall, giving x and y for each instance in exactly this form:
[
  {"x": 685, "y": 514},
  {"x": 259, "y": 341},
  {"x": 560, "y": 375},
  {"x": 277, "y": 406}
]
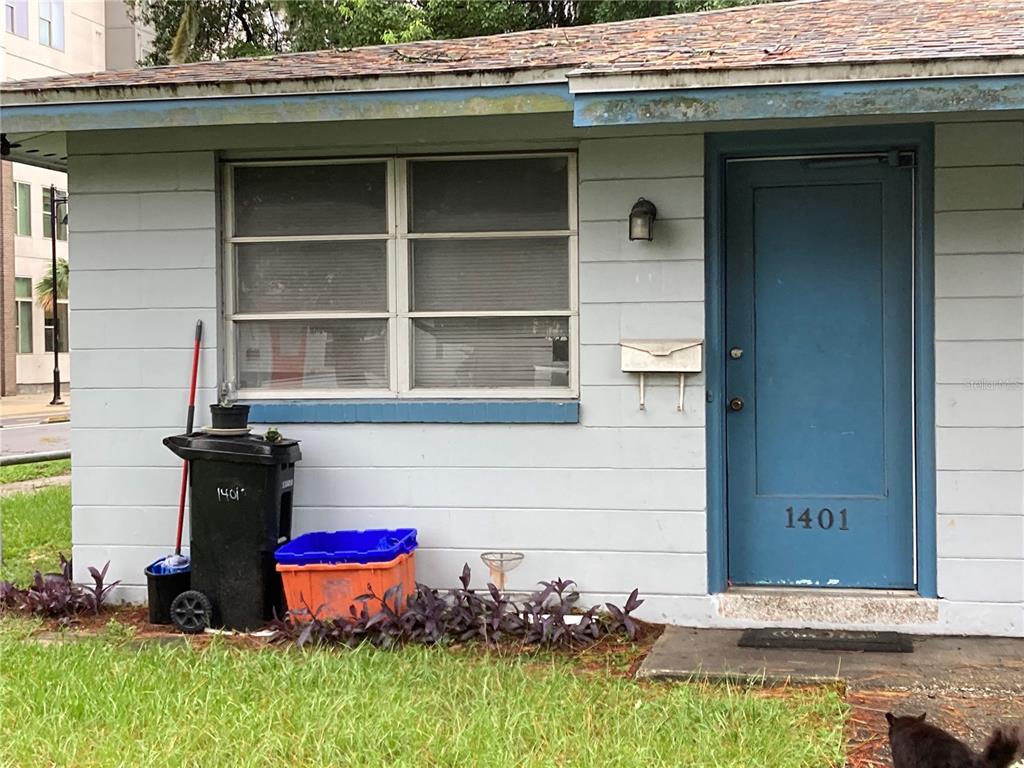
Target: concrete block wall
[{"x": 979, "y": 330}]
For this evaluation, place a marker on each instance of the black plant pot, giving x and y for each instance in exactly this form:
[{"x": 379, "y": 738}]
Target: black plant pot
[{"x": 230, "y": 417}]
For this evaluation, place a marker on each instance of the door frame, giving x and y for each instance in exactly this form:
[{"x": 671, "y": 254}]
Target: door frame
[{"x": 721, "y": 147}]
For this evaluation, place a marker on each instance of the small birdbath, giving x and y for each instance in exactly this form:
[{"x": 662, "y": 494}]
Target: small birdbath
[{"x": 501, "y": 563}]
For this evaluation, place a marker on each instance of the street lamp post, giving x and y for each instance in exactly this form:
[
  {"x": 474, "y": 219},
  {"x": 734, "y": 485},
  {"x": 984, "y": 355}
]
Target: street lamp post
[{"x": 54, "y": 293}]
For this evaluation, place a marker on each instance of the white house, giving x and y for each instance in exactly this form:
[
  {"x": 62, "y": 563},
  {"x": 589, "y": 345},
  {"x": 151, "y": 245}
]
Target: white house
[{"x": 415, "y": 259}]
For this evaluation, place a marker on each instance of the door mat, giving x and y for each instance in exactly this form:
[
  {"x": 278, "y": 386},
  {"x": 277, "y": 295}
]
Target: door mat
[{"x": 827, "y": 640}]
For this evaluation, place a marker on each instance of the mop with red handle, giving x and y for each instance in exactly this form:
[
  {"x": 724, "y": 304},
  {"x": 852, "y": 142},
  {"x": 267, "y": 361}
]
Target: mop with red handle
[{"x": 177, "y": 558}]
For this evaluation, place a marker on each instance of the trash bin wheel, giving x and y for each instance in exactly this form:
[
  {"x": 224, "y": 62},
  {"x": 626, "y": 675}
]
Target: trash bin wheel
[{"x": 191, "y": 612}]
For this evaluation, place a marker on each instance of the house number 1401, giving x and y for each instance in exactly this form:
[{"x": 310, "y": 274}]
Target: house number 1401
[{"x": 826, "y": 519}]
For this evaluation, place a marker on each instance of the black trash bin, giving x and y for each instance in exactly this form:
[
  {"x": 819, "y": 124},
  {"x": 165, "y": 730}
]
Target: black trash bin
[
  {"x": 241, "y": 511},
  {"x": 163, "y": 584}
]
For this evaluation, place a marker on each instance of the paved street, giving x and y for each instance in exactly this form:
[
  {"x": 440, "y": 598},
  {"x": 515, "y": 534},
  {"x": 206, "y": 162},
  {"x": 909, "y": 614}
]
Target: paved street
[
  {"x": 34, "y": 437},
  {"x": 24, "y": 427}
]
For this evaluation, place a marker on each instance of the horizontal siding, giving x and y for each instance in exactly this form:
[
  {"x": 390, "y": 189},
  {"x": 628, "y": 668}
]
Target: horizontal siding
[
  {"x": 427, "y": 445},
  {"x": 470, "y": 488},
  {"x": 977, "y": 492},
  {"x": 674, "y": 240},
  {"x": 985, "y": 363},
  {"x": 643, "y": 157},
  {"x": 164, "y": 249},
  {"x": 974, "y": 188},
  {"x": 611, "y": 323},
  {"x": 145, "y": 289},
  {"x": 144, "y": 211},
  {"x": 612, "y": 199},
  {"x": 984, "y": 537},
  {"x": 613, "y": 531},
  {"x": 161, "y": 172},
  {"x": 983, "y": 319},
  {"x": 979, "y": 144},
  {"x": 979, "y": 275},
  {"x": 143, "y": 368},
  {"x": 979, "y": 327},
  {"x": 674, "y": 574},
  {"x": 957, "y": 448},
  {"x": 972, "y": 579}
]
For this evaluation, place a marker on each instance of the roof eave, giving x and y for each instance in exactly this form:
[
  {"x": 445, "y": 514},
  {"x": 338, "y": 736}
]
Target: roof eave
[
  {"x": 622, "y": 79},
  {"x": 380, "y": 83}
]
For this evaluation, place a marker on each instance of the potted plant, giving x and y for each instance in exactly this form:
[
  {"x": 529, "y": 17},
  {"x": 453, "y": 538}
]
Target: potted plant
[{"x": 227, "y": 414}]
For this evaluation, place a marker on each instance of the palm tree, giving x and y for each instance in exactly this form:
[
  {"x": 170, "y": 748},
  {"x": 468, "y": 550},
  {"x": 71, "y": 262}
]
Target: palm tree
[{"x": 44, "y": 288}]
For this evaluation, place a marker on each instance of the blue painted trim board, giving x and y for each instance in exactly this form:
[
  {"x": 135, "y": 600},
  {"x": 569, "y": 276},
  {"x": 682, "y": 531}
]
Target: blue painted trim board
[
  {"x": 909, "y": 96},
  {"x": 291, "y": 108},
  {"x": 719, "y": 147},
  {"x": 414, "y": 411}
]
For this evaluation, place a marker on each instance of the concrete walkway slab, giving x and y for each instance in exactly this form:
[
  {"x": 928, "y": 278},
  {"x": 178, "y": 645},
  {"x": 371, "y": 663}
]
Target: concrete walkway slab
[{"x": 969, "y": 665}]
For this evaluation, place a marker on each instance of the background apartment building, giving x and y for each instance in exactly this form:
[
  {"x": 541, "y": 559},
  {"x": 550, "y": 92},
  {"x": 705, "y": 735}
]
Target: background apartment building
[{"x": 43, "y": 38}]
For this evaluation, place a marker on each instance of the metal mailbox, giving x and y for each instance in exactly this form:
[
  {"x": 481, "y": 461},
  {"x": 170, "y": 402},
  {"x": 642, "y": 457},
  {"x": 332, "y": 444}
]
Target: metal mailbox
[{"x": 644, "y": 356}]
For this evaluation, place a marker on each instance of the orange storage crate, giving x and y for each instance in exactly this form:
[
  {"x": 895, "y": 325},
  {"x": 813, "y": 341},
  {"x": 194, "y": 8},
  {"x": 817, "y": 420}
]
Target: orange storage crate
[{"x": 330, "y": 589}]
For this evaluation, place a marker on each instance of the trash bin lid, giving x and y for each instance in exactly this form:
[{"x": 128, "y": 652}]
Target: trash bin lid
[{"x": 247, "y": 449}]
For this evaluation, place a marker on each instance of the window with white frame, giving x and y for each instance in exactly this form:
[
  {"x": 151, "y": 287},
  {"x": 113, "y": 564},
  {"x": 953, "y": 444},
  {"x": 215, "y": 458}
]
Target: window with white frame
[
  {"x": 22, "y": 208},
  {"x": 16, "y": 17},
  {"x": 402, "y": 277},
  {"x": 51, "y": 23},
  {"x": 23, "y": 299}
]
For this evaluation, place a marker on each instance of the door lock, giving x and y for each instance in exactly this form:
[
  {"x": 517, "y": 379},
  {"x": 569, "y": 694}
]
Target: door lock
[
  {"x": 736, "y": 353},
  {"x": 736, "y": 404}
]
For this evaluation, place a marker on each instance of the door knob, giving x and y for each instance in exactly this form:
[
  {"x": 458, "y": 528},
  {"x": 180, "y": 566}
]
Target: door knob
[{"x": 736, "y": 404}]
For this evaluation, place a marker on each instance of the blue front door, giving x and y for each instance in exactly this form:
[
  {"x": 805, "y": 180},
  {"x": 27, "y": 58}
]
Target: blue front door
[{"x": 819, "y": 372}]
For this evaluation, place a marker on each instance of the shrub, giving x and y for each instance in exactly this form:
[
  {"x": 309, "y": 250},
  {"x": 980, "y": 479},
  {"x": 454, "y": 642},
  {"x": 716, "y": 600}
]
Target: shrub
[
  {"x": 549, "y": 617},
  {"x": 56, "y": 595}
]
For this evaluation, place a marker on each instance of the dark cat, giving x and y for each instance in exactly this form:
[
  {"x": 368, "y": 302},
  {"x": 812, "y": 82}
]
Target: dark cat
[{"x": 917, "y": 744}]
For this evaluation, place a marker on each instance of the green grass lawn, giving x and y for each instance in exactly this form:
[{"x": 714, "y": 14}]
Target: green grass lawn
[
  {"x": 98, "y": 702},
  {"x": 36, "y": 529},
  {"x": 18, "y": 472}
]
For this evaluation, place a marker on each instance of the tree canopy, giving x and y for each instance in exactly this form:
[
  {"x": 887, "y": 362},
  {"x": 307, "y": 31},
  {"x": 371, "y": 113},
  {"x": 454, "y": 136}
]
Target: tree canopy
[{"x": 201, "y": 30}]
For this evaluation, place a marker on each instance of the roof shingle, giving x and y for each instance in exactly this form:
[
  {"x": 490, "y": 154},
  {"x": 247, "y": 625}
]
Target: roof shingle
[{"x": 805, "y": 32}]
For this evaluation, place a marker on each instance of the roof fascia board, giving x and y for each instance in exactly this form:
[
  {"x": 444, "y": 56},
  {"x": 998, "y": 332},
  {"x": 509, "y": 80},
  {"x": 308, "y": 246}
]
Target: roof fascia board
[
  {"x": 22, "y": 94},
  {"x": 590, "y": 81},
  {"x": 299, "y": 108},
  {"x": 844, "y": 99}
]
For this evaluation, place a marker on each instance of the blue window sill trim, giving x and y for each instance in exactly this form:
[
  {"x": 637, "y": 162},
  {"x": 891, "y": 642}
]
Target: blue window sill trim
[{"x": 414, "y": 411}]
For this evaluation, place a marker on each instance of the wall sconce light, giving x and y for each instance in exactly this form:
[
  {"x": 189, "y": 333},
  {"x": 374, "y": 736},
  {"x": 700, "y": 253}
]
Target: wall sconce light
[{"x": 641, "y": 220}]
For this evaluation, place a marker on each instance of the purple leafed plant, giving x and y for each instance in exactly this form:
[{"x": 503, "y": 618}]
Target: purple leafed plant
[
  {"x": 549, "y": 618},
  {"x": 56, "y": 595}
]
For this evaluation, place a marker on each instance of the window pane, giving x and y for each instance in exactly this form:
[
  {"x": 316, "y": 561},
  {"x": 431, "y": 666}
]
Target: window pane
[
  {"x": 24, "y": 223},
  {"x": 23, "y": 287},
  {"x": 47, "y": 224},
  {"x": 506, "y": 274},
  {"x": 57, "y": 16},
  {"x": 521, "y": 352},
  {"x": 310, "y": 200},
  {"x": 62, "y": 212},
  {"x": 514, "y": 194},
  {"x": 313, "y": 354},
  {"x": 24, "y": 327},
  {"x": 62, "y": 316},
  {"x": 313, "y": 277}
]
